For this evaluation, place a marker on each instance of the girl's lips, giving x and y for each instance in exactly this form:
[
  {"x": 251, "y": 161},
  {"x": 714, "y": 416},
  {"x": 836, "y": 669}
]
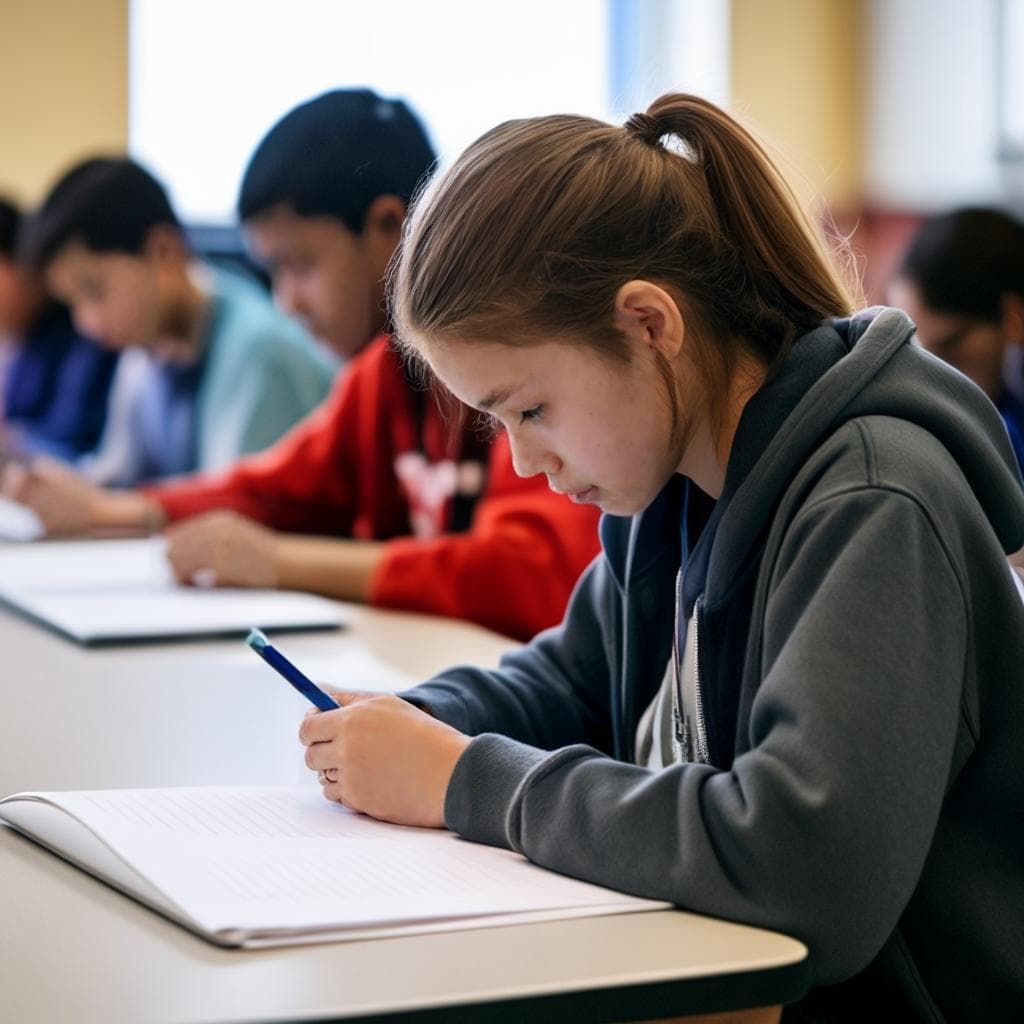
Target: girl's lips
[{"x": 582, "y": 497}]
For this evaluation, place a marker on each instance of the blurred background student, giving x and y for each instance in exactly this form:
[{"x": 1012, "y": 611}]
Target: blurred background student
[
  {"x": 210, "y": 370},
  {"x": 962, "y": 282},
  {"x": 53, "y": 398},
  {"x": 384, "y": 494}
]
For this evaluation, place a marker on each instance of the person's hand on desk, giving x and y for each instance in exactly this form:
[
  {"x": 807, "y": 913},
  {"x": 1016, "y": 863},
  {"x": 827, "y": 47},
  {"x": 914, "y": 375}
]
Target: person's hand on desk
[
  {"x": 67, "y": 504},
  {"x": 223, "y": 549},
  {"x": 389, "y": 759}
]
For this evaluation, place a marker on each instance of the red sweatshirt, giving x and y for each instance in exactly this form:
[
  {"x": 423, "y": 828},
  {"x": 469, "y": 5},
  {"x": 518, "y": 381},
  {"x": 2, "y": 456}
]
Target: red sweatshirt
[{"x": 380, "y": 460}]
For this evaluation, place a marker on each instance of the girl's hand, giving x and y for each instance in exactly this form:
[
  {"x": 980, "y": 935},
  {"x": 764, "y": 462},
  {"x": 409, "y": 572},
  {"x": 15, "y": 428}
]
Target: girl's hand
[
  {"x": 389, "y": 759},
  {"x": 222, "y": 549}
]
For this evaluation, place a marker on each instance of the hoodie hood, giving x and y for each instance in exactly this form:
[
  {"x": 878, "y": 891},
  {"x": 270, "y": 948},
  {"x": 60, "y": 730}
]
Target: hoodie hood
[{"x": 883, "y": 373}]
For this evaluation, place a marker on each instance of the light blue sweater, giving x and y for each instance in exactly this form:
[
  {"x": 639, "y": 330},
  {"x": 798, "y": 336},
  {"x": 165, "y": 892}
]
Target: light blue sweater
[{"x": 259, "y": 373}]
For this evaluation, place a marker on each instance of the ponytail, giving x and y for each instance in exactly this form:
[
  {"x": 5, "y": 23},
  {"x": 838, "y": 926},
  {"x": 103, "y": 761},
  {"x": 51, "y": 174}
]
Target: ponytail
[{"x": 789, "y": 275}]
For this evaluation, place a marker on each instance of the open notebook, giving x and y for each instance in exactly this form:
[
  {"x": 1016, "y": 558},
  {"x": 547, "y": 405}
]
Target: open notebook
[
  {"x": 118, "y": 591},
  {"x": 268, "y": 866}
]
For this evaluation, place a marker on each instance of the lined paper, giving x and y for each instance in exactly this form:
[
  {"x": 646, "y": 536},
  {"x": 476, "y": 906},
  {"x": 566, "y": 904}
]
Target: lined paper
[{"x": 258, "y": 862}]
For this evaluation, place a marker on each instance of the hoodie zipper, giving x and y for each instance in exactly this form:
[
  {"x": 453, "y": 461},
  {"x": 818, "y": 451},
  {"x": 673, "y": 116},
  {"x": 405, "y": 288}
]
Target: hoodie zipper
[
  {"x": 684, "y": 745},
  {"x": 698, "y": 693}
]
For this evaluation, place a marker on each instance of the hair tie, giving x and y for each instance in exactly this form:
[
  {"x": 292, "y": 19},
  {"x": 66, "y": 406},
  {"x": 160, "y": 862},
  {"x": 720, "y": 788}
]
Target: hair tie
[{"x": 646, "y": 128}]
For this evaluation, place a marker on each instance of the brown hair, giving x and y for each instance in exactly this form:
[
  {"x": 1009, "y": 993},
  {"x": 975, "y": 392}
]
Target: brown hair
[{"x": 532, "y": 231}]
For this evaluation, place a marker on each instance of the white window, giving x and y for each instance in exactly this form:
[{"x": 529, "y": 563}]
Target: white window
[{"x": 209, "y": 77}]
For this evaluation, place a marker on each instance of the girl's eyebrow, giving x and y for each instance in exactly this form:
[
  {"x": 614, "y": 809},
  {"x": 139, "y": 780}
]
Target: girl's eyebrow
[{"x": 496, "y": 397}]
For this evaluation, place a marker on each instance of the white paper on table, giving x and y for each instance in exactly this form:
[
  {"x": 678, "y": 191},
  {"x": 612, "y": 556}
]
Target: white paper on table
[
  {"x": 257, "y": 866},
  {"x": 107, "y": 591}
]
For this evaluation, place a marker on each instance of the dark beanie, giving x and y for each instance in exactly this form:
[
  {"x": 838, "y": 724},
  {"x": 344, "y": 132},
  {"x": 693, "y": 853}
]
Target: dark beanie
[{"x": 333, "y": 155}]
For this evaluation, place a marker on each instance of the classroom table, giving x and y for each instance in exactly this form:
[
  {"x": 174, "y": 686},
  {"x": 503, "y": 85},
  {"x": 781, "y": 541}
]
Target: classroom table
[{"x": 211, "y": 713}]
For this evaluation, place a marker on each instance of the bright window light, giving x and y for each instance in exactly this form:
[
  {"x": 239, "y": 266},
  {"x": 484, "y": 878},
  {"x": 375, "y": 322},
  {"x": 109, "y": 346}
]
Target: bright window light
[{"x": 209, "y": 77}]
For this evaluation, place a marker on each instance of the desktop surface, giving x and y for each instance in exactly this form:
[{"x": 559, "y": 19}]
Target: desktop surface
[{"x": 211, "y": 712}]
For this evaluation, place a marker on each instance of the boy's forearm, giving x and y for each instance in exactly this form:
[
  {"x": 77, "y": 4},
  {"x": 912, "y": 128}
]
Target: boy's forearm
[
  {"x": 341, "y": 569},
  {"x": 125, "y": 511}
]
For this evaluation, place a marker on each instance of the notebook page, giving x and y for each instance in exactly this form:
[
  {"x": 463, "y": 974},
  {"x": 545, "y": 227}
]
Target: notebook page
[
  {"x": 67, "y": 836},
  {"x": 271, "y": 859},
  {"x": 136, "y": 612},
  {"x": 124, "y": 589},
  {"x": 75, "y": 564}
]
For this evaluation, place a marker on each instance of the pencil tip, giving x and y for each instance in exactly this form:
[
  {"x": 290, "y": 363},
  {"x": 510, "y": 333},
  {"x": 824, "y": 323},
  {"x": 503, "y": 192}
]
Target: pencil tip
[{"x": 256, "y": 639}]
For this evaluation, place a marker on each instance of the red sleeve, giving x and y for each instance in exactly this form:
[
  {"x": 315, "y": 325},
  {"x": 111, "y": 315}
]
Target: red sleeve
[
  {"x": 512, "y": 571},
  {"x": 303, "y": 483}
]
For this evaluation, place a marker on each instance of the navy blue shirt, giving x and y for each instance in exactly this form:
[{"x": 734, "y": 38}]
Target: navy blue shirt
[
  {"x": 55, "y": 392},
  {"x": 1012, "y": 412}
]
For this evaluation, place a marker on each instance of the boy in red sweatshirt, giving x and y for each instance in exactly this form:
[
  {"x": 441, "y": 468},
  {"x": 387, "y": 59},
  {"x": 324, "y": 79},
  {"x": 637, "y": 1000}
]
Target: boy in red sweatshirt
[{"x": 432, "y": 515}]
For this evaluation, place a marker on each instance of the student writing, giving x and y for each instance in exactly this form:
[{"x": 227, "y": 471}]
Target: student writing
[
  {"x": 209, "y": 369},
  {"x": 789, "y": 690},
  {"x": 381, "y": 494}
]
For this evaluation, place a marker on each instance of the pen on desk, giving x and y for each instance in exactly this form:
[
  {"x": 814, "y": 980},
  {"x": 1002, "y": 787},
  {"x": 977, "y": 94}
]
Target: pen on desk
[{"x": 277, "y": 661}]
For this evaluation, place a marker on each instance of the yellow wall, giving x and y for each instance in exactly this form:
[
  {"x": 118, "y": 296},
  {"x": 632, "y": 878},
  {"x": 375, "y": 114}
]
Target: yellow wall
[
  {"x": 796, "y": 81},
  {"x": 63, "y": 88},
  {"x": 796, "y": 67}
]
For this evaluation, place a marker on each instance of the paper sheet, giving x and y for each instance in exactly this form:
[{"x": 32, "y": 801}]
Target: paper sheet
[
  {"x": 257, "y": 862},
  {"x": 112, "y": 590}
]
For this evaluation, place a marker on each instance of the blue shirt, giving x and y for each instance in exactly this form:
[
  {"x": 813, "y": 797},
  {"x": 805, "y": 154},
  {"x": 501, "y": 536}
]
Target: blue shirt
[
  {"x": 257, "y": 374},
  {"x": 1012, "y": 412},
  {"x": 55, "y": 391}
]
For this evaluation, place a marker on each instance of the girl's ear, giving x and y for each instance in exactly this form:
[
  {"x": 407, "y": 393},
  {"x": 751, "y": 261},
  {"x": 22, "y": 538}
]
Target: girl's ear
[{"x": 647, "y": 315}]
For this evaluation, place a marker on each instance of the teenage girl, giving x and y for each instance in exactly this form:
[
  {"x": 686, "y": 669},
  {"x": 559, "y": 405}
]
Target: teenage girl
[{"x": 790, "y": 691}]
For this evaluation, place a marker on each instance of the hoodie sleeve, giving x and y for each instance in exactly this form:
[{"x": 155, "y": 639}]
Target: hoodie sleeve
[
  {"x": 547, "y": 694},
  {"x": 821, "y": 828}
]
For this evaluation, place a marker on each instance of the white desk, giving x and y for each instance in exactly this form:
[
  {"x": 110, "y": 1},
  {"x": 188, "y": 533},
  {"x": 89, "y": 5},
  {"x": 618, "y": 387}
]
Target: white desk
[{"x": 211, "y": 712}]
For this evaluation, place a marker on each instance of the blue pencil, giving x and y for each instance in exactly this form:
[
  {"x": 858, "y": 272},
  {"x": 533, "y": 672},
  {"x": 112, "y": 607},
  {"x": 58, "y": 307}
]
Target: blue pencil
[{"x": 277, "y": 661}]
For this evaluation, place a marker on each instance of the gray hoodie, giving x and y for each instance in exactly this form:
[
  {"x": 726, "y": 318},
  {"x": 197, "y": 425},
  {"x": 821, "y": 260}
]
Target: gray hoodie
[{"x": 861, "y": 668}]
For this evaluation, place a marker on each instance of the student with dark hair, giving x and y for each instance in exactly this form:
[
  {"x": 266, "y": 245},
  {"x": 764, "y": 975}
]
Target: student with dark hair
[
  {"x": 323, "y": 199},
  {"x": 382, "y": 494},
  {"x": 962, "y": 282},
  {"x": 790, "y": 691},
  {"x": 55, "y": 384},
  {"x": 213, "y": 371}
]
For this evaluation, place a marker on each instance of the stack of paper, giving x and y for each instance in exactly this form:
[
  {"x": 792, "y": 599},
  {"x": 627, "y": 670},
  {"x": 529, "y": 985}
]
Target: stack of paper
[
  {"x": 273, "y": 866},
  {"x": 114, "y": 591}
]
